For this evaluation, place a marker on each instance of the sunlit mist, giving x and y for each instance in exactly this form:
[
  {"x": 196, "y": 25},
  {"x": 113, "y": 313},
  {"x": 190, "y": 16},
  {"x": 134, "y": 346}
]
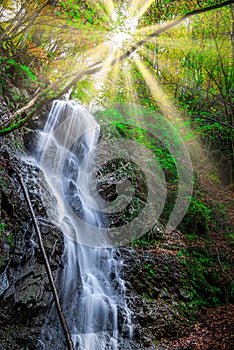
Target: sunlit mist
[{"x": 139, "y": 7}]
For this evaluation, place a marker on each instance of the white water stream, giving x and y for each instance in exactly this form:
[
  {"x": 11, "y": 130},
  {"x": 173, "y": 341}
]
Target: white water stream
[{"x": 92, "y": 291}]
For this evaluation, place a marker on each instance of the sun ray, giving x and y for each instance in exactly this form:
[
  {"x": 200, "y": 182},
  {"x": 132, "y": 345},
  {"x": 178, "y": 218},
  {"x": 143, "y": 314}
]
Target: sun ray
[
  {"x": 144, "y": 8},
  {"x": 169, "y": 110},
  {"x": 132, "y": 96},
  {"x": 152, "y": 28},
  {"x": 95, "y": 54},
  {"x": 109, "y": 5},
  {"x": 108, "y": 61},
  {"x": 161, "y": 64},
  {"x": 133, "y": 7},
  {"x": 127, "y": 83},
  {"x": 139, "y": 7},
  {"x": 164, "y": 103},
  {"x": 102, "y": 75},
  {"x": 84, "y": 60},
  {"x": 113, "y": 77}
]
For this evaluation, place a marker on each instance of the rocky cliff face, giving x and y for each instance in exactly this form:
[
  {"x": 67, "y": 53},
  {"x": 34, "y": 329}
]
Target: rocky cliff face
[
  {"x": 155, "y": 291},
  {"x": 25, "y": 291}
]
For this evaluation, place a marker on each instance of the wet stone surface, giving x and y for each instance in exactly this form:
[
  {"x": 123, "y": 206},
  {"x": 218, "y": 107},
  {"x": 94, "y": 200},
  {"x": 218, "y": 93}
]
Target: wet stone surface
[
  {"x": 153, "y": 282},
  {"x": 27, "y": 295}
]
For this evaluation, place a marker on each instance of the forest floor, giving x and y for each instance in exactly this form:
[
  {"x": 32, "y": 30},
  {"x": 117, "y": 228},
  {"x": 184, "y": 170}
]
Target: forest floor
[{"x": 214, "y": 329}]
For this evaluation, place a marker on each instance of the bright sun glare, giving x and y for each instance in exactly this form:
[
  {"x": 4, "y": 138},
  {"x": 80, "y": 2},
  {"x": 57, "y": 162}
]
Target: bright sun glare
[
  {"x": 116, "y": 78},
  {"x": 124, "y": 31},
  {"x": 124, "y": 28}
]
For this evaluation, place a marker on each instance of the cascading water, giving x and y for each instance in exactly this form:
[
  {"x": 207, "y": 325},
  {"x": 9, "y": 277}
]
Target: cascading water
[{"x": 92, "y": 292}]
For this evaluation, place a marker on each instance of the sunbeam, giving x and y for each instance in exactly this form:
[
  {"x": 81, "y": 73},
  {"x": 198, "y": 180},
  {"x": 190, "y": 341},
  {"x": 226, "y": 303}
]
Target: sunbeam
[
  {"x": 170, "y": 111},
  {"x": 99, "y": 79},
  {"x": 94, "y": 55},
  {"x": 144, "y": 8},
  {"x": 127, "y": 83},
  {"x": 113, "y": 77},
  {"x": 109, "y": 5},
  {"x": 166, "y": 106},
  {"x": 138, "y": 7}
]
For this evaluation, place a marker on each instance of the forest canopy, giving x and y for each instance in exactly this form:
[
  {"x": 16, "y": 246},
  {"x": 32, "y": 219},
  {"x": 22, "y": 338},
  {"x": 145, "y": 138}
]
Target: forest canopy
[{"x": 156, "y": 53}]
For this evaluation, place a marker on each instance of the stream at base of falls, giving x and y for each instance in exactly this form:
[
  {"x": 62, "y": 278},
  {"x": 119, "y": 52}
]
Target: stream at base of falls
[{"x": 91, "y": 290}]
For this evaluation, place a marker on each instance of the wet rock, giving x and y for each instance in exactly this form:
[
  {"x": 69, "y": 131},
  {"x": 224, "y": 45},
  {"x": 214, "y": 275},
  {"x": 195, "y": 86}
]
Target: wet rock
[
  {"x": 153, "y": 281},
  {"x": 154, "y": 289},
  {"x": 31, "y": 141},
  {"x": 4, "y": 111},
  {"x": 26, "y": 297},
  {"x": 38, "y": 121}
]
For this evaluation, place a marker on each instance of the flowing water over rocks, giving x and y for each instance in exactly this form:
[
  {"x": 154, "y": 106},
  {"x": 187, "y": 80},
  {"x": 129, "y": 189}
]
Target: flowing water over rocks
[
  {"x": 92, "y": 292},
  {"x": 26, "y": 314}
]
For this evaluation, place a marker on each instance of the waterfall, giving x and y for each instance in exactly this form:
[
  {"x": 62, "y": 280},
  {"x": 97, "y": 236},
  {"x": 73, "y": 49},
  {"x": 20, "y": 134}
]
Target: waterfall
[{"x": 92, "y": 292}]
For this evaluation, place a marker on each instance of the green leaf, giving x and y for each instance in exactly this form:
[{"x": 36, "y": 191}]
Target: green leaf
[{"x": 28, "y": 71}]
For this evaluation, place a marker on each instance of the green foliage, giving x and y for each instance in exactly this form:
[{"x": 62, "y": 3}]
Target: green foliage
[
  {"x": 204, "y": 281},
  {"x": 29, "y": 72},
  {"x": 180, "y": 254},
  {"x": 113, "y": 123},
  {"x": 197, "y": 218},
  {"x": 149, "y": 271},
  {"x": 165, "y": 10},
  {"x": 13, "y": 77},
  {"x": 144, "y": 240},
  {"x": 230, "y": 236},
  {"x": 217, "y": 139}
]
